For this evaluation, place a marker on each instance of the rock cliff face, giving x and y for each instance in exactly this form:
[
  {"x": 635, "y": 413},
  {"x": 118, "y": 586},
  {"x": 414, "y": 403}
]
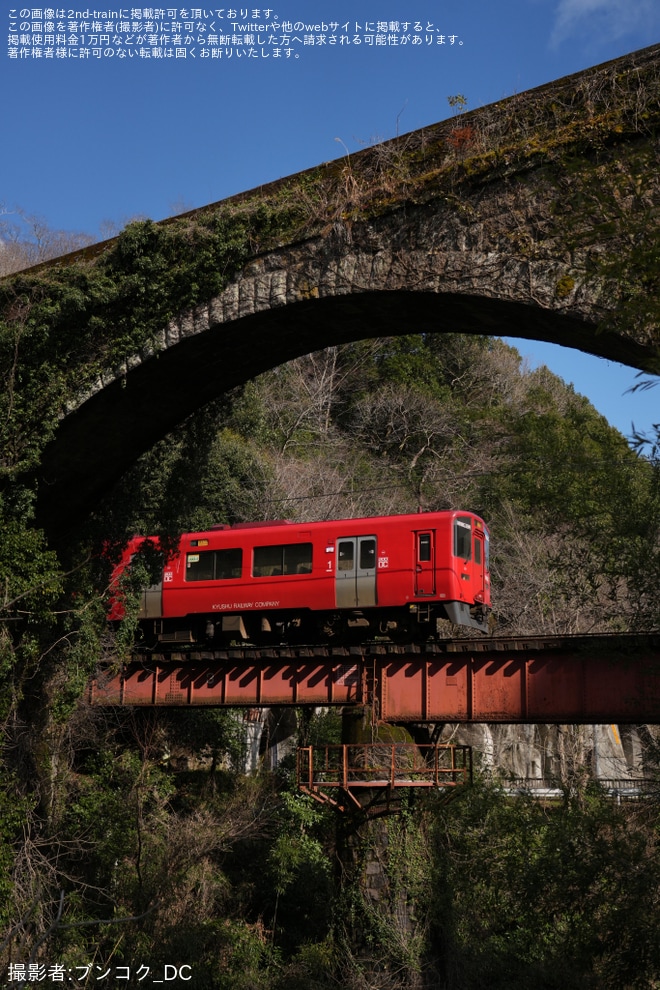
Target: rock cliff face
[{"x": 553, "y": 753}]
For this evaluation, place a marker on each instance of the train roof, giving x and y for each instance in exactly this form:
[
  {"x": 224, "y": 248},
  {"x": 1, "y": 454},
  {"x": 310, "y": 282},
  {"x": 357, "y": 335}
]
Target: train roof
[{"x": 367, "y": 521}]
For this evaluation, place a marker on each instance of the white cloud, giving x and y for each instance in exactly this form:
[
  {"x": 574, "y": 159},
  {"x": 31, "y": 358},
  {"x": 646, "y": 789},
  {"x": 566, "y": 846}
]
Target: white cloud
[{"x": 604, "y": 20}]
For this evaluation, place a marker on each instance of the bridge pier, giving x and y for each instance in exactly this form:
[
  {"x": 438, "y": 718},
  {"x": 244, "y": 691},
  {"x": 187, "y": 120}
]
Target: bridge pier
[
  {"x": 377, "y": 914},
  {"x": 377, "y": 917}
]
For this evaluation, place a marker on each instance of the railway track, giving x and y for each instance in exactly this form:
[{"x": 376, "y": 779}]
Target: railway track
[{"x": 605, "y": 642}]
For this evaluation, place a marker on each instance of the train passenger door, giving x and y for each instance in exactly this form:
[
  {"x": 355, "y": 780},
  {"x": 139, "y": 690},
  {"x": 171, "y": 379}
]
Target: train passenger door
[
  {"x": 425, "y": 562},
  {"x": 355, "y": 576},
  {"x": 479, "y": 567}
]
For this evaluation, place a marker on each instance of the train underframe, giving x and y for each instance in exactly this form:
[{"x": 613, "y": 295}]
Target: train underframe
[{"x": 417, "y": 622}]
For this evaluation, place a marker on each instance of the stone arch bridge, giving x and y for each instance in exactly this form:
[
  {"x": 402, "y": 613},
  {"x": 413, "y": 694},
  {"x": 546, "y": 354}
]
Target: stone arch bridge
[{"x": 536, "y": 217}]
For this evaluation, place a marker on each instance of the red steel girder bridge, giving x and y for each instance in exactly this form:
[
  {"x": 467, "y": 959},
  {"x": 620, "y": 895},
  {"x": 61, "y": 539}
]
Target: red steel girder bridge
[{"x": 569, "y": 679}]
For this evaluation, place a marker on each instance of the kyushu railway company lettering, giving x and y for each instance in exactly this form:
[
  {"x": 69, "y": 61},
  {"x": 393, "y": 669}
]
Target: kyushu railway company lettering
[{"x": 237, "y": 606}]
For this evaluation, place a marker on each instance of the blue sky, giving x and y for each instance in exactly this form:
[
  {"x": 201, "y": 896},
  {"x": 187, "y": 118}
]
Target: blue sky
[{"x": 95, "y": 139}]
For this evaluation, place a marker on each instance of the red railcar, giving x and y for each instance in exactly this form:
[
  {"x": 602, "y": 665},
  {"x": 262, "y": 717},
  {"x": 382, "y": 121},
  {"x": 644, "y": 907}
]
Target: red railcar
[{"x": 282, "y": 581}]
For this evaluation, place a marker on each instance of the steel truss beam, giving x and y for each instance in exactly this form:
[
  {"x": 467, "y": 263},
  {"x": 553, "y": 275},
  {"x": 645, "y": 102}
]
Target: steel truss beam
[{"x": 585, "y": 680}]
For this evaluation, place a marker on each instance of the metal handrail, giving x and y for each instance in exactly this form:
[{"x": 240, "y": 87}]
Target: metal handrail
[{"x": 383, "y": 764}]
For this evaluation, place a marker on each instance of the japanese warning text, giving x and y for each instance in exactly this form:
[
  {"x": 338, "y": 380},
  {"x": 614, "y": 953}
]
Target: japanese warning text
[{"x": 193, "y": 33}]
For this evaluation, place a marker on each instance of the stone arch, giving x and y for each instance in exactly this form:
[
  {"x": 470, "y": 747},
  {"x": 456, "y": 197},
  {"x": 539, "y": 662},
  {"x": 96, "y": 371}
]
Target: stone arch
[
  {"x": 528, "y": 231},
  {"x": 99, "y": 440}
]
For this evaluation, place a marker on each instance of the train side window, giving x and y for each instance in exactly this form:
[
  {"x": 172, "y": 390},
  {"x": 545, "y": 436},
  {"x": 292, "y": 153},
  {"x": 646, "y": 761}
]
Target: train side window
[
  {"x": 288, "y": 558},
  {"x": 214, "y": 565},
  {"x": 297, "y": 558},
  {"x": 345, "y": 559},
  {"x": 266, "y": 561},
  {"x": 228, "y": 563},
  {"x": 463, "y": 537},
  {"x": 424, "y": 549},
  {"x": 477, "y": 550},
  {"x": 200, "y": 566},
  {"x": 367, "y": 555}
]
